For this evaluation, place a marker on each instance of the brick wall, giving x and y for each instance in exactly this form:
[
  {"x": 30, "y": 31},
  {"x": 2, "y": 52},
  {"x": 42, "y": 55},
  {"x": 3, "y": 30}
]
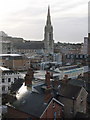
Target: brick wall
[
  {"x": 16, "y": 114},
  {"x": 68, "y": 106},
  {"x": 81, "y": 102},
  {"x": 53, "y": 110}
]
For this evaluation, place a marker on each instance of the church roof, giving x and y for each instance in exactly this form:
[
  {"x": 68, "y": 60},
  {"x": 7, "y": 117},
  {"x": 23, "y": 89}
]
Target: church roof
[{"x": 30, "y": 45}]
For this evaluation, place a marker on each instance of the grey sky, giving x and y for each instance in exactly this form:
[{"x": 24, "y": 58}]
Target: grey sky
[{"x": 27, "y": 18}]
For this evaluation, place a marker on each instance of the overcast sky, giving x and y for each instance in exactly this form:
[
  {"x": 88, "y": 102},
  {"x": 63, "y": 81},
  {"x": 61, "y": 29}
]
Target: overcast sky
[{"x": 27, "y": 18}]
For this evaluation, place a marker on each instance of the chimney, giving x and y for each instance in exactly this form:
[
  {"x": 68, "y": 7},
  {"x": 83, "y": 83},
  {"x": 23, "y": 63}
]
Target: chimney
[
  {"x": 51, "y": 75},
  {"x": 65, "y": 79},
  {"x": 47, "y": 96},
  {"x": 47, "y": 80},
  {"x": 29, "y": 77},
  {"x": 48, "y": 90}
]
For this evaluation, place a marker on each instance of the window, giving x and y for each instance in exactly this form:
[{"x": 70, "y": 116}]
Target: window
[
  {"x": 81, "y": 56},
  {"x": 68, "y": 56},
  {"x": 71, "y": 110},
  {"x": 8, "y": 48},
  {"x": 72, "y": 56},
  {"x": 53, "y": 104},
  {"x": 8, "y": 87},
  {"x": 9, "y": 79},
  {"x": 3, "y": 80},
  {"x": 58, "y": 112},
  {"x": 50, "y": 36},
  {"x": 76, "y": 56},
  {"x": 3, "y": 88},
  {"x": 81, "y": 100},
  {"x": 55, "y": 115},
  {"x": 85, "y": 56},
  {"x": 15, "y": 78}
]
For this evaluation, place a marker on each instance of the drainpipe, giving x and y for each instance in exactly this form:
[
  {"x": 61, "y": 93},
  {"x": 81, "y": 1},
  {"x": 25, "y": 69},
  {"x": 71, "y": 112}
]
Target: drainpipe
[{"x": 73, "y": 106}]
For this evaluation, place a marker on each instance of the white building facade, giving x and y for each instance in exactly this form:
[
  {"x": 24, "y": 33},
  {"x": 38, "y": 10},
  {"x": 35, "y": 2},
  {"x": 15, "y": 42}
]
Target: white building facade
[{"x": 8, "y": 77}]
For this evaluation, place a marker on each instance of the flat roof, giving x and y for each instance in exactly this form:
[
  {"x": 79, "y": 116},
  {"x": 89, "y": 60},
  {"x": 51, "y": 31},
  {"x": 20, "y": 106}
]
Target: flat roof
[
  {"x": 2, "y": 55},
  {"x": 4, "y": 69}
]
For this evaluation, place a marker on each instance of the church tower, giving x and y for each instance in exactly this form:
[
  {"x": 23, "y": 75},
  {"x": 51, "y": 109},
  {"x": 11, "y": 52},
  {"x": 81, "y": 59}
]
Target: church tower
[{"x": 48, "y": 34}]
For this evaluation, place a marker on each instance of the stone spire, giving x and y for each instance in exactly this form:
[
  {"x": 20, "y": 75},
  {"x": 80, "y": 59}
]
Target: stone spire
[
  {"x": 48, "y": 34},
  {"x": 48, "y": 17}
]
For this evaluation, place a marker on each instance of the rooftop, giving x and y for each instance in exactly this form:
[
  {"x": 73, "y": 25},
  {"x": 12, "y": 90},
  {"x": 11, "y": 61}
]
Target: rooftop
[
  {"x": 33, "y": 102},
  {"x": 5, "y": 55},
  {"x": 30, "y": 45},
  {"x": 67, "y": 90},
  {"x": 4, "y": 69}
]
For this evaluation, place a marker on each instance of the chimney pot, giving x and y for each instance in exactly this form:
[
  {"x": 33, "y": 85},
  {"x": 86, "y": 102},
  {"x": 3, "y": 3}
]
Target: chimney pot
[
  {"x": 47, "y": 79},
  {"x": 29, "y": 77}
]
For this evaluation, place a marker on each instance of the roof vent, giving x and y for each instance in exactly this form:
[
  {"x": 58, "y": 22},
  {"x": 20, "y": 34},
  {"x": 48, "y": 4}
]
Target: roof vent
[
  {"x": 57, "y": 93},
  {"x": 24, "y": 101},
  {"x": 45, "y": 103}
]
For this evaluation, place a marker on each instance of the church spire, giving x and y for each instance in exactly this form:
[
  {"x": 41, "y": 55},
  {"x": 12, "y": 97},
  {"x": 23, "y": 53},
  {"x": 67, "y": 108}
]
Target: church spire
[
  {"x": 48, "y": 34},
  {"x": 48, "y": 17}
]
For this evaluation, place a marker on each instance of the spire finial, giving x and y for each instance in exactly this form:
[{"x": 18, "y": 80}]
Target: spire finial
[{"x": 48, "y": 10}]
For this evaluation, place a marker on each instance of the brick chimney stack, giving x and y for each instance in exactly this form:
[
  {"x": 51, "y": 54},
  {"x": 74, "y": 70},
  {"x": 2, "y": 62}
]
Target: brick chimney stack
[
  {"x": 65, "y": 79},
  {"x": 48, "y": 90},
  {"x": 51, "y": 75},
  {"x": 47, "y": 79},
  {"x": 29, "y": 77}
]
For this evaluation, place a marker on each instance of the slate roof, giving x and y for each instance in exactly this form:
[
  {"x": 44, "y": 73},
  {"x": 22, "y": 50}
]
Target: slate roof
[
  {"x": 81, "y": 83},
  {"x": 16, "y": 85},
  {"x": 30, "y": 45},
  {"x": 77, "y": 82},
  {"x": 67, "y": 90},
  {"x": 32, "y": 102},
  {"x": 80, "y": 115}
]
